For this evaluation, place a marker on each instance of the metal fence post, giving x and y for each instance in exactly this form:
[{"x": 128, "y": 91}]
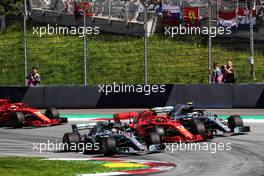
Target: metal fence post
[
  {"x": 145, "y": 41},
  {"x": 146, "y": 46},
  {"x": 252, "y": 74},
  {"x": 2, "y": 22},
  {"x": 59, "y": 7},
  {"x": 109, "y": 10},
  {"x": 209, "y": 40},
  {"x": 84, "y": 47},
  {"x": 25, "y": 41}
]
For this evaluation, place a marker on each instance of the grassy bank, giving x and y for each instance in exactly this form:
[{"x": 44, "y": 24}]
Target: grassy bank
[
  {"x": 20, "y": 166},
  {"x": 116, "y": 58}
]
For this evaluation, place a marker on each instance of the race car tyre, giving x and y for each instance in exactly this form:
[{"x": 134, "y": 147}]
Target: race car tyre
[
  {"x": 234, "y": 121},
  {"x": 199, "y": 128},
  {"x": 108, "y": 146},
  {"x": 159, "y": 130},
  {"x": 71, "y": 141},
  {"x": 52, "y": 113},
  {"x": 17, "y": 120},
  {"x": 152, "y": 139}
]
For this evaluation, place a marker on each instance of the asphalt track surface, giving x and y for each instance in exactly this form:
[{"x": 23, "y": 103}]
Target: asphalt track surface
[
  {"x": 245, "y": 158},
  {"x": 112, "y": 111}
]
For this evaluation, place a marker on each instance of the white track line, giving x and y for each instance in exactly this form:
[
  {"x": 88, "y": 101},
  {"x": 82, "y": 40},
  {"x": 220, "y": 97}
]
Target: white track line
[{"x": 105, "y": 174}]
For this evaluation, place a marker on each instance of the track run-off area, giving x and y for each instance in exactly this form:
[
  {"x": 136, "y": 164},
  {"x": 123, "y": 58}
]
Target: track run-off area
[{"x": 244, "y": 156}]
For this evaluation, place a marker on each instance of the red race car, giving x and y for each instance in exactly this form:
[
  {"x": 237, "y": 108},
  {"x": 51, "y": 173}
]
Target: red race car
[
  {"x": 19, "y": 115},
  {"x": 159, "y": 122}
]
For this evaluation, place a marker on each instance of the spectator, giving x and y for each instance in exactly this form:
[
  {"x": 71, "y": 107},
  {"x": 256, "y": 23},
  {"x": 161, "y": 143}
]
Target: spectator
[
  {"x": 158, "y": 7},
  {"x": 132, "y": 10},
  {"x": 228, "y": 73},
  {"x": 46, "y": 4},
  {"x": 67, "y": 6},
  {"x": 216, "y": 75},
  {"x": 260, "y": 15},
  {"x": 33, "y": 79}
]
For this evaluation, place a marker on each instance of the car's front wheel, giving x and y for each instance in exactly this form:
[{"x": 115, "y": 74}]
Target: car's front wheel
[
  {"x": 52, "y": 113},
  {"x": 17, "y": 120},
  {"x": 159, "y": 130},
  {"x": 152, "y": 139},
  {"x": 234, "y": 121},
  {"x": 108, "y": 146},
  {"x": 199, "y": 128}
]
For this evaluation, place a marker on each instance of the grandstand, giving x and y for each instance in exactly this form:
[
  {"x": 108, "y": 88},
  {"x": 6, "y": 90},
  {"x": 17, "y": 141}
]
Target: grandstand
[
  {"x": 115, "y": 16},
  {"x": 124, "y": 16}
]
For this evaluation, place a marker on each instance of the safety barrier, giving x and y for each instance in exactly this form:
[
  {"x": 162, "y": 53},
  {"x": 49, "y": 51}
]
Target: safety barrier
[{"x": 202, "y": 95}]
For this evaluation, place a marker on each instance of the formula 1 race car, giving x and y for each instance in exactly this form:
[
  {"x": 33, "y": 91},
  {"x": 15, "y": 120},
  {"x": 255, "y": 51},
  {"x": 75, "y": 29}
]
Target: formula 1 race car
[
  {"x": 186, "y": 115},
  {"x": 18, "y": 115},
  {"x": 108, "y": 138},
  {"x": 154, "y": 120}
]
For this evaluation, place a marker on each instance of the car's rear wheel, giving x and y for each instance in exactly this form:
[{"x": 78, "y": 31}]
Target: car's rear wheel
[
  {"x": 199, "y": 128},
  {"x": 234, "y": 121},
  {"x": 52, "y": 113},
  {"x": 70, "y": 141},
  {"x": 108, "y": 146},
  {"x": 152, "y": 139},
  {"x": 17, "y": 120}
]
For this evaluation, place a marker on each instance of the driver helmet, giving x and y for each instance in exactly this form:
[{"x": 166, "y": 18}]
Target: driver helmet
[{"x": 114, "y": 131}]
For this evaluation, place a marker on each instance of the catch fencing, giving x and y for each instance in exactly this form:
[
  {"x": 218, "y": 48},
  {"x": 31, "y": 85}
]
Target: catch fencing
[{"x": 123, "y": 59}]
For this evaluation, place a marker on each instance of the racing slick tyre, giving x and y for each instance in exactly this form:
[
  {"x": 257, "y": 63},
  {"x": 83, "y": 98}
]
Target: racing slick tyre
[
  {"x": 69, "y": 140},
  {"x": 17, "y": 120},
  {"x": 108, "y": 146},
  {"x": 152, "y": 139},
  {"x": 52, "y": 113},
  {"x": 159, "y": 130},
  {"x": 234, "y": 121},
  {"x": 199, "y": 128}
]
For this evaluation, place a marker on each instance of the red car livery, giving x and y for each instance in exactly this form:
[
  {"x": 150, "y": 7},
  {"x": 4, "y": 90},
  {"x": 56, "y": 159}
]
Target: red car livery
[
  {"x": 169, "y": 130},
  {"x": 19, "y": 115}
]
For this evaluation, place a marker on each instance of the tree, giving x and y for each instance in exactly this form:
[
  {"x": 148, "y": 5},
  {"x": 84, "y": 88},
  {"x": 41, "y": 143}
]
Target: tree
[
  {"x": 8, "y": 7},
  {"x": 2, "y": 10}
]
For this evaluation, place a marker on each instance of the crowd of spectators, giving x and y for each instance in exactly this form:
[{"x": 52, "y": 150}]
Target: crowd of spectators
[{"x": 224, "y": 74}]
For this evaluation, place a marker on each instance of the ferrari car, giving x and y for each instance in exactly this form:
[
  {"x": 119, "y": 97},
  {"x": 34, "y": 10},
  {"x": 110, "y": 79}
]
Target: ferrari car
[
  {"x": 108, "y": 138},
  {"x": 157, "y": 120},
  {"x": 18, "y": 115},
  {"x": 186, "y": 115}
]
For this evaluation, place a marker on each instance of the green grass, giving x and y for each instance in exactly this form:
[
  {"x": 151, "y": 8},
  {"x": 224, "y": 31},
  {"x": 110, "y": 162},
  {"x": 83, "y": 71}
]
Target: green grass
[
  {"x": 20, "y": 166},
  {"x": 117, "y": 58}
]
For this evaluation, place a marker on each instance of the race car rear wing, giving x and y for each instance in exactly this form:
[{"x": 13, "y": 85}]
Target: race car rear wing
[
  {"x": 162, "y": 109},
  {"x": 77, "y": 127},
  {"x": 118, "y": 117},
  {"x": 124, "y": 116}
]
